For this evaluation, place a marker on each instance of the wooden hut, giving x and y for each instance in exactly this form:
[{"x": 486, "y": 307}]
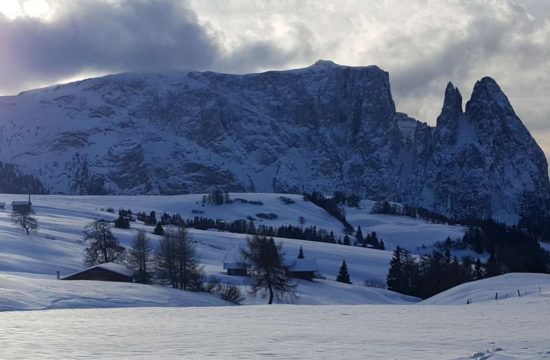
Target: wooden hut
[
  {"x": 302, "y": 269},
  {"x": 21, "y": 206},
  {"x": 234, "y": 268},
  {"x": 104, "y": 272}
]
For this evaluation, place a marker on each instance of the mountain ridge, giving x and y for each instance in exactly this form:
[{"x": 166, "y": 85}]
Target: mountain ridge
[{"x": 325, "y": 127}]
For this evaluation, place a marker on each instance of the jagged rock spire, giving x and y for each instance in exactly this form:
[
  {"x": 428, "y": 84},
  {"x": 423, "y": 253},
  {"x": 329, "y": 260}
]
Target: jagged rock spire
[
  {"x": 487, "y": 96},
  {"x": 452, "y": 106}
]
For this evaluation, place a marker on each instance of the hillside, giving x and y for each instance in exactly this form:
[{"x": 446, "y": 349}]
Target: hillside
[
  {"x": 23, "y": 291},
  {"x": 58, "y": 245},
  {"x": 179, "y": 322},
  {"x": 323, "y": 128},
  {"x": 503, "y": 287}
]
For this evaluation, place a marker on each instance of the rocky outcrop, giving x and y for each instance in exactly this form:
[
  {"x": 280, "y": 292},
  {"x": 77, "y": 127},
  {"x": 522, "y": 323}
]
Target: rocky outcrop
[{"x": 325, "y": 128}]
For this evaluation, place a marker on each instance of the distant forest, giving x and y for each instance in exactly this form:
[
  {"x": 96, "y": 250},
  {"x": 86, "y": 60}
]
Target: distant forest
[{"x": 12, "y": 181}]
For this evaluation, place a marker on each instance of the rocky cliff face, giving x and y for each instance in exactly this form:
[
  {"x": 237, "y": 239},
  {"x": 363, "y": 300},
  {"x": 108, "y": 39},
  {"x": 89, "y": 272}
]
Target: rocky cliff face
[{"x": 326, "y": 127}]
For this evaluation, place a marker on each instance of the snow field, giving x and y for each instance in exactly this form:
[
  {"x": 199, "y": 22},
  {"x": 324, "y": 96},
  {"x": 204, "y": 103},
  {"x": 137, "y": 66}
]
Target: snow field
[
  {"x": 101, "y": 320},
  {"x": 510, "y": 330},
  {"x": 58, "y": 245},
  {"x": 498, "y": 288},
  {"x": 40, "y": 292}
]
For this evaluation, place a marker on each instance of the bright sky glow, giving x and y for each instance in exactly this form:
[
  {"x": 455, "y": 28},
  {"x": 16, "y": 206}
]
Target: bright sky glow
[{"x": 32, "y": 8}]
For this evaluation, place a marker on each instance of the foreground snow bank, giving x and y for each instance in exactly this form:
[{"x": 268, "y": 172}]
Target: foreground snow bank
[
  {"x": 25, "y": 292},
  {"x": 498, "y": 287},
  {"x": 516, "y": 329},
  {"x": 38, "y": 292}
]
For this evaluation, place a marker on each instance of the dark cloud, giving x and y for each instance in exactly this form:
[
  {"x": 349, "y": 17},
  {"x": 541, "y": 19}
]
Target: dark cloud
[
  {"x": 96, "y": 35},
  {"x": 129, "y": 35}
]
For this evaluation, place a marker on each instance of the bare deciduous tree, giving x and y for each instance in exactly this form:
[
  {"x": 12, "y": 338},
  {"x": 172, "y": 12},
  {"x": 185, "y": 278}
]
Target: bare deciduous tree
[
  {"x": 24, "y": 218},
  {"x": 104, "y": 247},
  {"x": 139, "y": 257},
  {"x": 177, "y": 261},
  {"x": 268, "y": 273}
]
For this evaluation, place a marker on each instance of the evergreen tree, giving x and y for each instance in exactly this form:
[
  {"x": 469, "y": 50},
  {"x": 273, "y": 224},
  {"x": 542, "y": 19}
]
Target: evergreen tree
[
  {"x": 396, "y": 276},
  {"x": 381, "y": 246},
  {"x": 343, "y": 274},
  {"x": 122, "y": 222},
  {"x": 346, "y": 240},
  {"x": 492, "y": 268},
  {"x": 478, "y": 242},
  {"x": 152, "y": 218},
  {"x": 158, "y": 230},
  {"x": 104, "y": 247},
  {"x": 372, "y": 240},
  {"x": 301, "y": 253},
  {"x": 359, "y": 236},
  {"x": 268, "y": 274},
  {"x": 478, "y": 270},
  {"x": 139, "y": 257},
  {"x": 353, "y": 200}
]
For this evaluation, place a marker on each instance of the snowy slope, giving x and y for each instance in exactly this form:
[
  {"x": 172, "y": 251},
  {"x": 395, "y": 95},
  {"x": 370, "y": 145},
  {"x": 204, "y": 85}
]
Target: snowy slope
[
  {"x": 58, "y": 245},
  {"x": 194, "y": 326},
  {"x": 62, "y": 219},
  {"x": 404, "y": 231},
  {"x": 505, "y": 331},
  {"x": 21, "y": 291},
  {"x": 503, "y": 287}
]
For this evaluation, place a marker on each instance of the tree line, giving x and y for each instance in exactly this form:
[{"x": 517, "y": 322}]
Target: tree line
[
  {"x": 427, "y": 275},
  {"x": 510, "y": 249},
  {"x": 13, "y": 181},
  {"x": 332, "y": 205}
]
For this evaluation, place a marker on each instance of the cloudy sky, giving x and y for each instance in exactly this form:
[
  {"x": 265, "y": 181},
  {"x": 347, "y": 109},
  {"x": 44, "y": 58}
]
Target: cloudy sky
[{"x": 422, "y": 43}]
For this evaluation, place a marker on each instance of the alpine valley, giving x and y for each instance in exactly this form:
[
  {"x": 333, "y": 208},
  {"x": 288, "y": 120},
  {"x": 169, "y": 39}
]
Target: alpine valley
[{"x": 323, "y": 128}]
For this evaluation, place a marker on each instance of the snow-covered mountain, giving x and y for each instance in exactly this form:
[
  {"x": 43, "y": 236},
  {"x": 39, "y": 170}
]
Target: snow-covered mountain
[{"x": 325, "y": 127}]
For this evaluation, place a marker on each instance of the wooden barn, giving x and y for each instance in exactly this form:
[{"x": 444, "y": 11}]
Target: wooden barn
[
  {"x": 104, "y": 272},
  {"x": 234, "y": 268},
  {"x": 21, "y": 205},
  {"x": 302, "y": 269}
]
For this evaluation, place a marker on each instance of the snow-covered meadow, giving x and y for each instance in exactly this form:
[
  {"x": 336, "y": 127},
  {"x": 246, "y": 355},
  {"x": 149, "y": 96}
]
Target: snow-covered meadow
[
  {"x": 101, "y": 320},
  {"x": 58, "y": 245},
  {"x": 504, "y": 330}
]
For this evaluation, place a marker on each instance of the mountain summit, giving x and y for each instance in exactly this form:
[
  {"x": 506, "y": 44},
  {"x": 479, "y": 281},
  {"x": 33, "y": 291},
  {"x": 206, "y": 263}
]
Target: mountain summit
[{"x": 326, "y": 127}]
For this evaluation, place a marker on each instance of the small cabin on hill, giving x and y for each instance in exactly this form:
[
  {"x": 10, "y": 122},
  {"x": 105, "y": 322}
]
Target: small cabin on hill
[
  {"x": 302, "y": 269},
  {"x": 104, "y": 272},
  {"x": 234, "y": 268},
  {"x": 21, "y": 205}
]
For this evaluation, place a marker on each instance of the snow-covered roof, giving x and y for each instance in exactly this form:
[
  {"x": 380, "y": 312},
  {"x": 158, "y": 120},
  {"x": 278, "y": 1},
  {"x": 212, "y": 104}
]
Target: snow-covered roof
[
  {"x": 303, "y": 265},
  {"x": 116, "y": 268}
]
